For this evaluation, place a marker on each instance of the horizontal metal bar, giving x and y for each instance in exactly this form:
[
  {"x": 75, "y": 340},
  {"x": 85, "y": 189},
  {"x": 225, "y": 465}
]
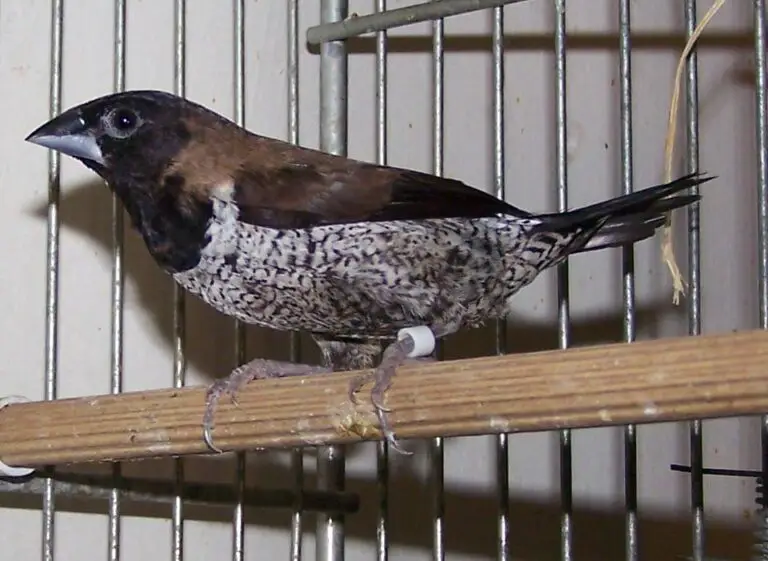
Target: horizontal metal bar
[
  {"x": 689, "y": 558},
  {"x": 140, "y": 490},
  {"x": 358, "y": 25},
  {"x": 719, "y": 471}
]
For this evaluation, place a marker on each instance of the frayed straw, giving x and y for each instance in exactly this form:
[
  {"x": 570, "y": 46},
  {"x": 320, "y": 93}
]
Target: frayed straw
[{"x": 667, "y": 248}]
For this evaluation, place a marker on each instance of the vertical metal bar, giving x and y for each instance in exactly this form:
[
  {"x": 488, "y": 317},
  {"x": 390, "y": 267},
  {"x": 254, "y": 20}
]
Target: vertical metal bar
[
  {"x": 762, "y": 154},
  {"x": 179, "y": 308},
  {"x": 297, "y": 455},
  {"x": 694, "y": 300},
  {"x": 52, "y": 265},
  {"x": 330, "y": 527},
  {"x": 382, "y": 450},
  {"x": 333, "y": 139},
  {"x": 502, "y": 444},
  {"x": 238, "y": 517},
  {"x": 117, "y": 288},
  {"x": 762, "y": 188},
  {"x": 436, "y": 448},
  {"x": 564, "y": 327},
  {"x": 628, "y": 270}
]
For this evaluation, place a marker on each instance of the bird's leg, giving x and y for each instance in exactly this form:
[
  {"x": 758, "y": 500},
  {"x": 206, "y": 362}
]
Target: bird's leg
[
  {"x": 243, "y": 375},
  {"x": 362, "y": 379},
  {"x": 394, "y": 356}
]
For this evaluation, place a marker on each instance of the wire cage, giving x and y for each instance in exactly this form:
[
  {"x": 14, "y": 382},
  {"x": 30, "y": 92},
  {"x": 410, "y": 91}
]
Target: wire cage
[{"x": 548, "y": 104}]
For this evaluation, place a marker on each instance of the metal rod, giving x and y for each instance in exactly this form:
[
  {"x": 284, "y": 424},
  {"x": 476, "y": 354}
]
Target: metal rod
[
  {"x": 382, "y": 447},
  {"x": 158, "y": 491},
  {"x": 719, "y": 471},
  {"x": 564, "y": 324},
  {"x": 297, "y": 454},
  {"x": 762, "y": 190},
  {"x": 397, "y": 18},
  {"x": 762, "y": 154},
  {"x": 330, "y": 527},
  {"x": 628, "y": 270},
  {"x": 333, "y": 139},
  {"x": 502, "y": 443},
  {"x": 52, "y": 266},
  {"x": 694, "y": 272},
  {"x": 436, "y": 455},
  {"x": 113, "y": 543},
  {"x": 179, "y": 307},
  {"x": 238, "y": 515}
]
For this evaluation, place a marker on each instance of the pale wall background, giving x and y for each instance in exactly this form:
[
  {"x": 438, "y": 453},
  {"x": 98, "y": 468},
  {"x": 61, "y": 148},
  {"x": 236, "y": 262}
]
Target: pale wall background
[{"x": 728, "y": 263}]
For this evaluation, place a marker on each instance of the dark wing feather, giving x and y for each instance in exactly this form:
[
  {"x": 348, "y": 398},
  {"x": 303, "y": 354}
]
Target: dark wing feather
[
  {"x": 306, "y": 188},
  {"x": 421, "y": 195}
]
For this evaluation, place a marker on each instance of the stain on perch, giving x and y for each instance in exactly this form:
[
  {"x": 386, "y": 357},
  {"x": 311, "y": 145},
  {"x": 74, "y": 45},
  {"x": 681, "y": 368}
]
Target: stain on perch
[{"x": 348, "y": 420}]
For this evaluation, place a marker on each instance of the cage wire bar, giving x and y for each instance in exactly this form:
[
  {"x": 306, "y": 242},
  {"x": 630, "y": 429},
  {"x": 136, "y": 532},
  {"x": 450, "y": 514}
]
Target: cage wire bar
[
  {"x": 179, "y": 305},
  {"x": 113, "y": 541},
  {"x": 696, "y": 452},
  {"x": 52, "y": 269},
  {"x": 382, "y": 447},
  {"x": 761, "y": 103},
  {"x": 436, "y": 454},
  {"x": 427, "y": 11},
  {"x": 238, "y": 516},
  {"x": 329, "y": 535},
  {"x": 297, "y": 455},
  {"x": 628, "y": 270},
  {"x": 499, "y": 185},
  {"x": 563, "y": 308}
]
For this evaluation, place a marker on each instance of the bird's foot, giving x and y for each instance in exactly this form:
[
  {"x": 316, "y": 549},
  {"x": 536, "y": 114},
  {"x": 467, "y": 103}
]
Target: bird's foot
[
  {"x": 242, "y": 376},
  {"x": 394, "y": 356}
]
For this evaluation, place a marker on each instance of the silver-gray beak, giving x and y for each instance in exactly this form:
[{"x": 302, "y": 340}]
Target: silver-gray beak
[{"x": 69, "y": 135}]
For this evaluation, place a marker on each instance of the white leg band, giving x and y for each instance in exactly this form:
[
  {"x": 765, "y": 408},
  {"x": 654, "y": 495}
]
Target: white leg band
[{"x": 423, "y": 340}]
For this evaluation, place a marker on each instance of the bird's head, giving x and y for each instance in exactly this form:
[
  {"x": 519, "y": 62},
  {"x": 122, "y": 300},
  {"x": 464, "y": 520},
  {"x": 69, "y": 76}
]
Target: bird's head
[
  {"x": 129, "y": 133},
  {"x": 163, "y": 155}
]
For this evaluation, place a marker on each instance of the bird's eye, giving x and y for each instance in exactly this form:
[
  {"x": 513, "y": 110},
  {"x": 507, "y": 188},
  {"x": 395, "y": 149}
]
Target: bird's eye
[
  {"x": 121, "y": 123},
  {"x": 124, "y": 120}
]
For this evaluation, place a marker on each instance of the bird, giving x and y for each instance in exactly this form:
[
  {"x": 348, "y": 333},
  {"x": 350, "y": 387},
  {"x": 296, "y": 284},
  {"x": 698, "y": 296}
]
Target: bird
[{"x": 297, "y": 239}]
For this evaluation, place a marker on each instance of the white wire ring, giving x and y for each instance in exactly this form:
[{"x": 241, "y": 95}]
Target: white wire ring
[{"x": 6, "y": 470}]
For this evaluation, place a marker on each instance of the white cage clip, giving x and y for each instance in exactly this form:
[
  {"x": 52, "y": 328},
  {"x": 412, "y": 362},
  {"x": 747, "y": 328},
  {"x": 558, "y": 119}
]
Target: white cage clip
[{"x": 5, "y": 470}]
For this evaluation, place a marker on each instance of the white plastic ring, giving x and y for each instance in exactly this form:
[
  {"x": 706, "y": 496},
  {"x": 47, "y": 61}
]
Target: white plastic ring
[
  {"x": 423, "y": 340},
  {"x": 5, "y": 470}
]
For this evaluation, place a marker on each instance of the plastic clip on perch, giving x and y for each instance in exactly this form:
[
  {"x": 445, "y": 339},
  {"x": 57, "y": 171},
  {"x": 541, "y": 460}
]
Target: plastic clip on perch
[{"x": 8, "y": 471}]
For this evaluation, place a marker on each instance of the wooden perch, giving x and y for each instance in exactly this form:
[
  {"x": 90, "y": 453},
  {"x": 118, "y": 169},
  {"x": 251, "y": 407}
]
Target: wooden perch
[{"x": 649, "y": 381}]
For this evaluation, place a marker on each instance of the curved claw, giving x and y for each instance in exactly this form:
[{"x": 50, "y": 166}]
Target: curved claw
[
  {"x": 208, "y": 439},
  {"x": 238, "y": 378},
  {"x": 376, "y": 401},
  {"x": 215, "y": 391},
  {"x": 355, "y": 384},
  {"x": 389, "y": 434},
  {"x": 377, "y": 397},
  {"x": 393, "y": 443},
  {"x": 211, "y": 400}
]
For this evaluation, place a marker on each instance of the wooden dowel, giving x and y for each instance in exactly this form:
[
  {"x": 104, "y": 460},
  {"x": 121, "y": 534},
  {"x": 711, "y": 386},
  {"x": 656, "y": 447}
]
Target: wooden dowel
[{"x": 649, "y": 381}]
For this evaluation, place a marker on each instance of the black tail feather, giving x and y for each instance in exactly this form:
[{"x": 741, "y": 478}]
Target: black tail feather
[{"x": 623, "y": 220}]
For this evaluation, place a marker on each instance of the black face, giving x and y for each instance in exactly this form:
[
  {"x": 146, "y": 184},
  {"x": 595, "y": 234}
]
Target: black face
[
  {"x": 137, "y": 135},
  {"x": 131, "y": 132},
  {"x": 129, "y": 139}
]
